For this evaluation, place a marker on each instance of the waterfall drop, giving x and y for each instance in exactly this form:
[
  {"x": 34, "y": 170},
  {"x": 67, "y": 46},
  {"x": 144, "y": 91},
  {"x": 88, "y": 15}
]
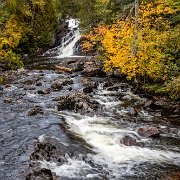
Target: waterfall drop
[{"x": 66, "y": 48}]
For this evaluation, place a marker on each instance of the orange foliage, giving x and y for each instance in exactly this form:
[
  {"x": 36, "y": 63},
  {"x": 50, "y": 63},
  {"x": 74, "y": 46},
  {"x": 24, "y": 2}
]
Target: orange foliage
[{"x": 118, "y": 42}]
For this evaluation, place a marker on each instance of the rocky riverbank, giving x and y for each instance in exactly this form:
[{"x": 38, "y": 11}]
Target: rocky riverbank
[{"x": 49, "y": 118}]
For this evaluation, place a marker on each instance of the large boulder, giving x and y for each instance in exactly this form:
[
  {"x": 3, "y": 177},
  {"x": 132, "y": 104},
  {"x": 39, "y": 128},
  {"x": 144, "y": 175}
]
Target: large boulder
[
  {"x": 50, "y": 150},
  {"x": 77, "y": 102}
]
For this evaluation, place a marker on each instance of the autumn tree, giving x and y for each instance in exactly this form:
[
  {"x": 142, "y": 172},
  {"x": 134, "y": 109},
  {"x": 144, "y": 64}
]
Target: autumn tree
[{"x": 157, "y": 48}]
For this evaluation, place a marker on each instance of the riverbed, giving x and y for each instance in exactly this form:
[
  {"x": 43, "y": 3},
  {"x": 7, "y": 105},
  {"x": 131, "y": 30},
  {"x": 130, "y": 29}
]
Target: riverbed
[{"x": 95, "y": 136}]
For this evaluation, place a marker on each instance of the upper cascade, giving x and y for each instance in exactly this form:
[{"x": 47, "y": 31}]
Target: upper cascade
[
  {"x": 73, "y": 23},
  {"x": 66, "y": 48}
]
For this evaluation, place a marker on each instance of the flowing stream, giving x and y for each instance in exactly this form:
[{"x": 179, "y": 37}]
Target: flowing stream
[{"x": 91, "y": 144}]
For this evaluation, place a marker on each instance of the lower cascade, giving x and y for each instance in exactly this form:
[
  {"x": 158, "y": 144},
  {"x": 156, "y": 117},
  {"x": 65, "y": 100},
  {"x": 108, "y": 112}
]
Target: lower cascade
[{"x": 103, "y": 133}]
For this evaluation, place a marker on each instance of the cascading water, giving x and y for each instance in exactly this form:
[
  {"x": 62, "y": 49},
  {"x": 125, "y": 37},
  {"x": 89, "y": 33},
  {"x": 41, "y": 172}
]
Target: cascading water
[
  {"x": 68, "y": 42},
  {"x": 104, "y": 133}
]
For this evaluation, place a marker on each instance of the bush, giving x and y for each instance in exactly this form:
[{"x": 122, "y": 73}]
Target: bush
[{"x": 173, "y": 88}]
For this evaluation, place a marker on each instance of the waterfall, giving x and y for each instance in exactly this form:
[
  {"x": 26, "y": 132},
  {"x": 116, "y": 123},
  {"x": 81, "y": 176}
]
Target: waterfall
[{"x": 68, "y": 42}]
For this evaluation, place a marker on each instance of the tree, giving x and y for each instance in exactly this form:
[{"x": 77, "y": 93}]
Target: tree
[{"x": 147, "y": 49}]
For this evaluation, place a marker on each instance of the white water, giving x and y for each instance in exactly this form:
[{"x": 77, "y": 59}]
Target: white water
[
  {"x": 104, "y": 135},
  {"x": 66, "y": 49}
]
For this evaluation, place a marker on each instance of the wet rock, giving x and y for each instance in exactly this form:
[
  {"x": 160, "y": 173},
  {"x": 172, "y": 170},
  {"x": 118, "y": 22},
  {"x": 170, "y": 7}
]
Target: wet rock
[
  {"x": 148, "y": 132},
  {"x": 148, "y": 103},
  {"x": 29, "y": 88},
  {"x": 8, "y": 86},
  {"x": 166, "y": 130},
  {"x": 1, "y": 88},
  {"x": 77, "y": 65},
  {"x": 58, "y": 85},
  {"x": 35, "y": 110},
  {"x": 67, "y": 81},
  {"x": 30, "y": 81},
  {"x": 133, "y": 111},
  {"x": 117, "y": 73},
  {"x": 88, "y": 82},
  {"x": 39, "y": 84},
  {"x": 174, "y": 176},
  {"x": 42, "y": 174},
  {"x": 77, "y": 102},
  {"x": 113, "y": 88},
  {"x": 46, "y": 149},
  {"x": 8, "y": 100},
  {"x": 62, "y": 69},
  {"x": 44, "y": 91},
  {"x": 88, "y": 89},
  {"x": 160, "y": 103},
  {"x": 91, "y": 71},
  {"x": 157, "y": 114},
  {"x": 128, "y": 141},
  {"x": 176, "y": 109}
]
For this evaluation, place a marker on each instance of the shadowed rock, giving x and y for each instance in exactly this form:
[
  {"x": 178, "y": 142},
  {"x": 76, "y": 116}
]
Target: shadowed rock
[
  {"x": 77, "y": 102},
  {"x": 58, "y": 85},
  {"x": 44, "y": 91},
  {"x": 35, "y": 110},
  {"x": 47, "y": 149}
]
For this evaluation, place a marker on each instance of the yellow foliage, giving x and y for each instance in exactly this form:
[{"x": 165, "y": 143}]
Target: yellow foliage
[{"x": 118, "y": 42}]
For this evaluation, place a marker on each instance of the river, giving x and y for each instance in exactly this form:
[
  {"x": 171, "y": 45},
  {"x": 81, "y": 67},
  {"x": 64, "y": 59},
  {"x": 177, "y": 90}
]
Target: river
[{"x": 74, "y": 125}]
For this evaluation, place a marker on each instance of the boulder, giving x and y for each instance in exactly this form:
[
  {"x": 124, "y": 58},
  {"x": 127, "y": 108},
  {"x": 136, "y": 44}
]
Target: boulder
[
  {"x": 148, "y": 132},
  {"x": 174, "y": 176},
  {"x": 8, "y": 100},
  {"x": 48, "y": 149},
  {"x": 77, "y": 65},
  {"x": 42, "y": 174},
  {"x": 128, "y": 141},
  {"x": 44, "y": 91},
  {"x": 58, "y": 85},
  {"x": 133, "y": 111},
  {"x": 160, "y": 103},
  {"x": 62, "y": 69},
  {"x": 39, "y": 84},
  {"x": 91, "y": 71},
  {"x": 148, "y": 103},
  {"x": 77, "y": 102},
  {"x": 35, "y": 110},
  {"x": 88, "y": 89},
  {"x": 67, "y": 81},
  {"x": 87, "y": 81}
]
